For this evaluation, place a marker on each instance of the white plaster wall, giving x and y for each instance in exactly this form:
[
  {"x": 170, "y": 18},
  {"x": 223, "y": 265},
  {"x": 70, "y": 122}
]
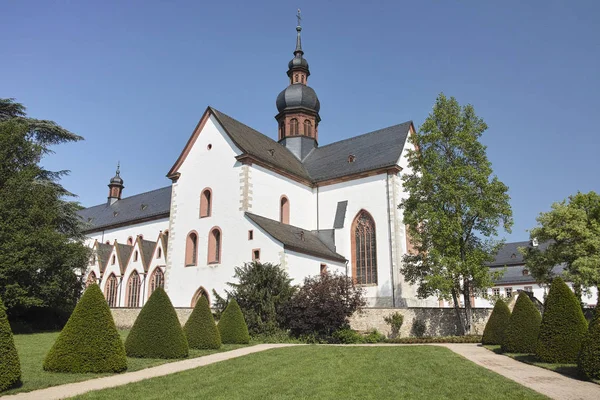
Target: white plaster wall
[
  {"x": 215, "y": 168},
  {"x": 149, "y": 230},
  {"x": 302, "y": 265},
  {"x": 370, "y": 194},
  {"x": 267, "y": 189},
  {"x": 539, "y": 292}
]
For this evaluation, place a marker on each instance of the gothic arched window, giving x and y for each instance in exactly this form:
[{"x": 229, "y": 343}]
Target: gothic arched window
[
  {"x": 307, "y": 128},
  {"x": 191, "y": 249},
  {"x": 157, "y": 279},
  {"x": 111, "y": 290},
  {"x": 199, "y": 293},
  {"x": 284, "y": 210},
  {"x": 133, "y": 290},
  {"x": 130, "y": 241},
  {"x": 206, "y": 203},
  {"x": 293, "y": 126},
  {"x": 214, "y": 246},
  {"x": 364, "y": 249}
]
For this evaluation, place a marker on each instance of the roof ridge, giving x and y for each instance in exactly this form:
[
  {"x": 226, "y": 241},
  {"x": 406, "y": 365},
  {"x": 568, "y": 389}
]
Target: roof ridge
[
  {"x": 129, "y": 197},
  {"x": 365, "y": 134}
]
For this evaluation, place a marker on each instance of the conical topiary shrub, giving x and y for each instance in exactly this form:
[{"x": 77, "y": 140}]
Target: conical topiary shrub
[
  {"x": 494, "y": 329},
  {"x": 200, "y": 328},
  {"x": 10, "y": 368},
  {"x": 156, "y": 332},
  {"x": 232, "y": 326},
  {"x": 563, "y": 326},
  {"x": 589, "y": 355},
  {"x": 89, "y": 342},
  {"x": 523, "y": 327}
]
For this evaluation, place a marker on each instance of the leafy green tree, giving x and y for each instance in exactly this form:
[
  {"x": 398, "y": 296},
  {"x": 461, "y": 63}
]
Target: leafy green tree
[
  {"x": 262, "y": 291},
  {"x": 571, "y": 234},
  {"x": 563, "y": 326},
  {"x": 496, "y": 325},
  {"x": 10, "y": 367},
  {"x": 89, "y": 342},
  {"x": 156, "y": 332},
  {"x": 41, "y": 244},
  {"x": 232, "y": 327},
  {"x": 200, "y": 328},
  {"x": 453, "y": 209},
  {"x": 523, "y": 328}
]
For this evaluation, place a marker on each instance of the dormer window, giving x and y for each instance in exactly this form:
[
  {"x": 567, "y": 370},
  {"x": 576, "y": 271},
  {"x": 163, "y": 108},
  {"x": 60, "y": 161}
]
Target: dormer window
[
  {"x": 351, "y": 158},
  {"x": 525, "y": 272}
]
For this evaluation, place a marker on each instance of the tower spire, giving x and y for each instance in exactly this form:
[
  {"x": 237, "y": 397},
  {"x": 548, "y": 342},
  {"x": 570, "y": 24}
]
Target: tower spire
[{"x": 298, "y": 38}]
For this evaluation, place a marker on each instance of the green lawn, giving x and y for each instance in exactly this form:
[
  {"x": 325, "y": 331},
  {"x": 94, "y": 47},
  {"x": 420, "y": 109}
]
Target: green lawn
[
  {"x": 33, "y": 349},
  {"x": 569, "y": 370},
  {"x": 331, "y": 372}
]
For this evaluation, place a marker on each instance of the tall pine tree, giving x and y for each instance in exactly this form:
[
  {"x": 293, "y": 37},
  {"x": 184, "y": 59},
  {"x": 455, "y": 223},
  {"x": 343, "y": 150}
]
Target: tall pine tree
[{"x": 41, "y": 244}]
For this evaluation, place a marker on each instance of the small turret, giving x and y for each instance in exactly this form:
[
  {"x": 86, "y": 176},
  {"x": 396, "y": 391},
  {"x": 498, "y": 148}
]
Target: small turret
[{"x": 115, "y": 187}]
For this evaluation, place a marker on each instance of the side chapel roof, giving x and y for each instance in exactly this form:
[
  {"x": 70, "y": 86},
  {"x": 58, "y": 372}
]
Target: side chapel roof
[{"x": 295, "y": 238}]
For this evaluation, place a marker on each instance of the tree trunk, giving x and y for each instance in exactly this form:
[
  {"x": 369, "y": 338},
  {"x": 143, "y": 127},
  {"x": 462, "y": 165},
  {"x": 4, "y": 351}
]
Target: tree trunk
[
  {"x": 598, "y": 297},
  {"x": 468, "y": 308},
  {"x": 459, "y": 316}
]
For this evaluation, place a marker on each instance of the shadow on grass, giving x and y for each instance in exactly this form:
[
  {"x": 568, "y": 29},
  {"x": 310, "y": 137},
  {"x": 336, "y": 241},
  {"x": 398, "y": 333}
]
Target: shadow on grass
[{"x": 569, "y": 370}]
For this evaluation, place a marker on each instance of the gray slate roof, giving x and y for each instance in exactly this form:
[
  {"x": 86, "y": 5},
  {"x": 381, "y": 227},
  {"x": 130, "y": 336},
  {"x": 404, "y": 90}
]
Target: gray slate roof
[
  {"x": 124, "y": 252},
  {"x": 510, "y": 257},
  {"x": 148, "y": 205},
  {"x": 291, "y": 238},
  {"x": 377, "y": 149},
  {"x": 258, "y": 145},
  {"x": 147, "y": 252},
  {"x": 373, "y": 150},
  {"x": 103, "y": 253}
]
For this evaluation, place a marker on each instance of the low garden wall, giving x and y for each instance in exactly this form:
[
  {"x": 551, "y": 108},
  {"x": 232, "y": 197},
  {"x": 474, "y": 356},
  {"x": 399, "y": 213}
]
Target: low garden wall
[{"x": 436, "y": 321}]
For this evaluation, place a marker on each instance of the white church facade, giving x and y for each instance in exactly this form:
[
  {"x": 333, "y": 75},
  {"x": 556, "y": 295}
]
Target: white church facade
[{"x": 238, "y": 195}]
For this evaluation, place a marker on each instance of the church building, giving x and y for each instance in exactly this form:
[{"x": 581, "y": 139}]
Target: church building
[{"x": 239, "y": 195}]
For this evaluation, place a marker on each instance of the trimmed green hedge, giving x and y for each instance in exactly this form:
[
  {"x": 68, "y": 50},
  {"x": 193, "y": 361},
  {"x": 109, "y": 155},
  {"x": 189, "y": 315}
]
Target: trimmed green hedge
[
  {"x": 523, "y": 328},
  {"x": 156, "y": 332},
  {"x": 10, "y": 367},
  {"x": 232, "y": 326},
  {"x": 89, "y": 342},
  {"x": 437, "y": 339},
  {"x": 589, "y": 356},
  {"x": 563, "y": 326},
  {"x": 200, "y": 328},
  {"x": 496, "y": 325}
]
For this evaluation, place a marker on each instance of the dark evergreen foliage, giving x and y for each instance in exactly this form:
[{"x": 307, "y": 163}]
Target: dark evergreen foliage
[
  {"x": 41, "y": 241},
  {"x": 496, "y": 325},
  {"x": 200, "y": 328},
  {"x": 589, "y": 355},
  {"x": 323, "y": 305},
  {"x": 563, "y": 326},
  {"x": 262, "y": 290},
  {"x": 89, "y": 342},
  {"x": 156, "y": 332},
  {"x": 10, "y": 367},
  {"x": 523, "y": 329},
  {"x": 232, "y": 326}
]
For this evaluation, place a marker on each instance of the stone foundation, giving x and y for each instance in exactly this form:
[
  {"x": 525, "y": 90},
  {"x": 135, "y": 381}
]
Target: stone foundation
[{"x": 438, "y": 321}]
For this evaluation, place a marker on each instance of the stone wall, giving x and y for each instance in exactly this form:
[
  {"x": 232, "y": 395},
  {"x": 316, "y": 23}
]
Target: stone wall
[
  {"x": 438, "y": 321},
  {"x": 125, "y": 317}
]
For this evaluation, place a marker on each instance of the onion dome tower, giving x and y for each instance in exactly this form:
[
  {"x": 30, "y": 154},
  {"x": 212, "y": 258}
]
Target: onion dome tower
[
  {"x": 298, "y": 106},
  {"x": 115, "y": 187}
]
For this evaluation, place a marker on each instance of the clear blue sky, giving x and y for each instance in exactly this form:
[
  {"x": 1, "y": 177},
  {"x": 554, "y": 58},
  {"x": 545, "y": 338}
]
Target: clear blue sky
[{"x": 134, "y": 77}]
